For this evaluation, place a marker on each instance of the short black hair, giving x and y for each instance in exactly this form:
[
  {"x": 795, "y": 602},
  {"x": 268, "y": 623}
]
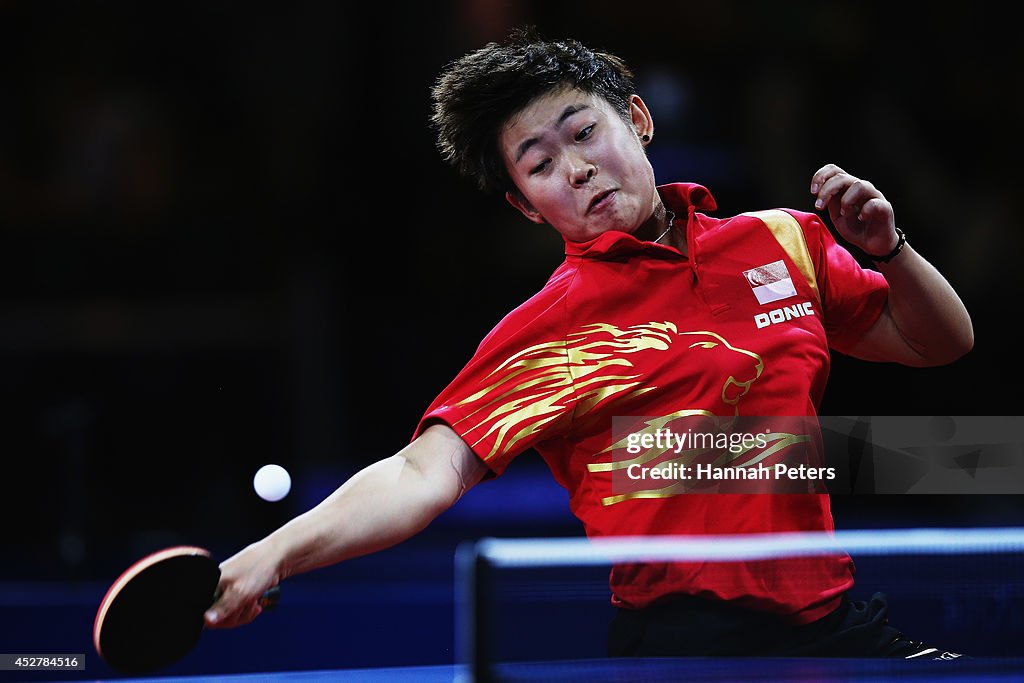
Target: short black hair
[{"x": 478, "y": 93}]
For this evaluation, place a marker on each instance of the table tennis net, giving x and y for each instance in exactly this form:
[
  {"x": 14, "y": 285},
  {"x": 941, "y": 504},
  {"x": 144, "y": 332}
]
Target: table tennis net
[{"x": 530, "y": 599}]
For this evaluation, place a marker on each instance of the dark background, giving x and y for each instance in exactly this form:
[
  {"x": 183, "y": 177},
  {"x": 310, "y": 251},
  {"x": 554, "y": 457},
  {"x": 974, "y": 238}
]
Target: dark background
[{"x": 226, "y": 239}]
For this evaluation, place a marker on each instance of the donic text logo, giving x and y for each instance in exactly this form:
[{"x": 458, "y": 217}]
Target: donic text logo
[{"x": 781, "y": 315}]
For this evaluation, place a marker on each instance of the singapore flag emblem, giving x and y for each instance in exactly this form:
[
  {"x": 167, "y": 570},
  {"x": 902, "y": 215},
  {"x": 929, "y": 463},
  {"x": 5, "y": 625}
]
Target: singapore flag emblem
[{"x": 770, "y": 282}]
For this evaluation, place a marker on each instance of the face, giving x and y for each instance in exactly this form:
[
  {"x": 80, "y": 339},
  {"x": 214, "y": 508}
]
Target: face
[{"x": 579, "y": 165}]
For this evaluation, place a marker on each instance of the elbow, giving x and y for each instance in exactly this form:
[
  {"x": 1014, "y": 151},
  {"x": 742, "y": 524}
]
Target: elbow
[
  {"x": 956, "y": 347},
  {"x": 967, "y": 345},
  {"x": 963, "y": 343}
]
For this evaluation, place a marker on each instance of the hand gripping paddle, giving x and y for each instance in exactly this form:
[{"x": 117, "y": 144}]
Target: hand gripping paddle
[{"x": 152, "y": 615}]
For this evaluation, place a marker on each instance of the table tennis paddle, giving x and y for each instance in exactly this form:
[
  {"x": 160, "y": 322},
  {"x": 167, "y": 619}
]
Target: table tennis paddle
[{"x": 152, "y": 615}]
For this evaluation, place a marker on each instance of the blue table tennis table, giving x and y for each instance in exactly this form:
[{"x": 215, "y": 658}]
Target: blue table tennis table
[{"x": 780, "y": 670}]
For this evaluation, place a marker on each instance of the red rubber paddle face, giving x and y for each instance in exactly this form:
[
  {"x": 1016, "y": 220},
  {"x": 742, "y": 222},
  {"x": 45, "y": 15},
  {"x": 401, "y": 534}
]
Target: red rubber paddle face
[{"x": 153, "y": 614}]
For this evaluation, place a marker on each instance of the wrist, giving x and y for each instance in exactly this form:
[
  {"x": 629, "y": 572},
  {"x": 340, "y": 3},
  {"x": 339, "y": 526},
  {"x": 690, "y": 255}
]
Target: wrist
[
  {"x": 901, "y": 240},
  {"x": 277, "y": 551}
]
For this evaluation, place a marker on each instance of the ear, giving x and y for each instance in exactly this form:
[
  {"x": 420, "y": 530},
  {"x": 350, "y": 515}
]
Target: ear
[
  {"x": 524, "y": 207},
  {"x": 641, "y": 117}
]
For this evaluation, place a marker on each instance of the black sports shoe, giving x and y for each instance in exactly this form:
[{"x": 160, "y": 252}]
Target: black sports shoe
[{"x": 908, "y": 649}]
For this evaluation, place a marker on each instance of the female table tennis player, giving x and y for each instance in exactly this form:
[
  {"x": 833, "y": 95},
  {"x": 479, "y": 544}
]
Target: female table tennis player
[{"x": 658, "y": 310}]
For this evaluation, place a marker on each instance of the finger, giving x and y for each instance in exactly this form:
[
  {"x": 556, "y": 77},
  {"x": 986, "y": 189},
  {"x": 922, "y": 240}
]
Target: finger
[
  {"x": 874, "y": 208},
  {"x": 255, "y": 609},
  {"x": 823, "y": 174},
  {"x": 217, "y": 614},
  {"x": 831, "y": 187},
  {"x": 246, "y": 615},
  {"x": 230, "y": 618},
  {"x": 856, "y": 195}
]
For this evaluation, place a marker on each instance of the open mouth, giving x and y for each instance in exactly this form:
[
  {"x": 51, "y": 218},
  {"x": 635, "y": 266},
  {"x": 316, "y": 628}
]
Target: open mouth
[{"x": 599, "y": 200}]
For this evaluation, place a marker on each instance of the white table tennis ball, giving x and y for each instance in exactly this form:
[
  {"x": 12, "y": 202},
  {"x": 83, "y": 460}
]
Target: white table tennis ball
[{"x": 272, "y": 482}]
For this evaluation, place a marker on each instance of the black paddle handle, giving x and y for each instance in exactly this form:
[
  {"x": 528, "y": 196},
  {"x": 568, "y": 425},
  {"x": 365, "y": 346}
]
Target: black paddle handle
[{"x": 271, "y": 597}]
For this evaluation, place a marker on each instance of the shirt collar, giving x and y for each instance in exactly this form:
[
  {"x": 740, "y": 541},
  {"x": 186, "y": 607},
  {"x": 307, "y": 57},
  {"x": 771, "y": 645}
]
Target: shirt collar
[{"x": 679, "y": 198}]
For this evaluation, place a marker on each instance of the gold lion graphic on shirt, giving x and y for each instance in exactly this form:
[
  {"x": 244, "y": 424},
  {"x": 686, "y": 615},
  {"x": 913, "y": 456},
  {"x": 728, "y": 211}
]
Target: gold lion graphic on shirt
[{"x": 586, "y": 373}]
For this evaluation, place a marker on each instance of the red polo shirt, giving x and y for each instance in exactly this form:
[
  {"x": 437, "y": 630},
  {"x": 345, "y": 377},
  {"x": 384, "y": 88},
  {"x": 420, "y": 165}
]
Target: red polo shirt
[{"x": 740, "y": 327}]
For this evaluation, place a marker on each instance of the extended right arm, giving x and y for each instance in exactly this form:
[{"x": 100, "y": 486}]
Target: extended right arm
[{"x": 380, "y": 506}]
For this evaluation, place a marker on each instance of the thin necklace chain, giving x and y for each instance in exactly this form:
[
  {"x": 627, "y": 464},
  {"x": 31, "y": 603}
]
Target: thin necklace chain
[{"x": 671, "y": 220}]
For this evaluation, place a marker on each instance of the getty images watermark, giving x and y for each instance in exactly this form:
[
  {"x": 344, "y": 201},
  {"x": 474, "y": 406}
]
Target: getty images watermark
[
  {"x": 694, "y": 452},
  {"x": 731, "y": 459}
]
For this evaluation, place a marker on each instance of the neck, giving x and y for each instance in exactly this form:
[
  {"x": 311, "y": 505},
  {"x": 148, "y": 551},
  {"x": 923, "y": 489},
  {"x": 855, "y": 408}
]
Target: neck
[
  {"x": 664, "y": 227},
  {"x": 655, "y": 225}
]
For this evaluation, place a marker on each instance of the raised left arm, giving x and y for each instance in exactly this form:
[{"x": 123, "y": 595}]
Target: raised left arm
[{"x": 924, "y": 322}]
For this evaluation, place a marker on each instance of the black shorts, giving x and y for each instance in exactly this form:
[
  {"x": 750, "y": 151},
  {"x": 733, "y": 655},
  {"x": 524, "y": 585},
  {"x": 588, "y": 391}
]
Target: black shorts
[{"x": 694, "y": 627}]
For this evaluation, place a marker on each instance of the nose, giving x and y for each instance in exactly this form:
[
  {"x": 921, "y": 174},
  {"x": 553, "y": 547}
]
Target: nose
[{"x": 581, "y": 173}]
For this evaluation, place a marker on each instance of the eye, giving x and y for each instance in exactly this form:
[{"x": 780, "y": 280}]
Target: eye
[
  {"x": 585, "y": 133},
  {"x": 539, "y": 168},
  {"x": 704, "y": 345}
]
